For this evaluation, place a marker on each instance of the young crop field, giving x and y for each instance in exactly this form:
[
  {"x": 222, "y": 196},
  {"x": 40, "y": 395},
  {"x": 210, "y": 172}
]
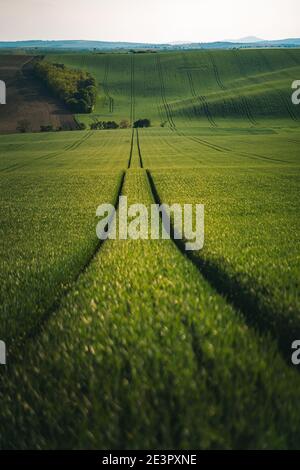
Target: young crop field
[{"x": 139, "y": 344}]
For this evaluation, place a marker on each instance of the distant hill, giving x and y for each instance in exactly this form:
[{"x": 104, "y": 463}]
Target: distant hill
[
  {"x": 284, "y": 42},
  {"x": 70, "y": 44},
  {"x": 103, "y": 45},
  {"x": 246, "y": 40}
]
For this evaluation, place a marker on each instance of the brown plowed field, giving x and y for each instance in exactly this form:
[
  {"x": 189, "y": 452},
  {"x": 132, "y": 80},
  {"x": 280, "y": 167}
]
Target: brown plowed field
[{"x": 28, "y": 99}]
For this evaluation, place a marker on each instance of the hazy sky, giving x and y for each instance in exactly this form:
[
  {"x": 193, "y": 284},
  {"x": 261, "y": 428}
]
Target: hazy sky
[{"x": 148, "y": 20}]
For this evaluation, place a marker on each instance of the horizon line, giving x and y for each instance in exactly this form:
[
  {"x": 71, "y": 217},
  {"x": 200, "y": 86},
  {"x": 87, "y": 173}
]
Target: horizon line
[{"x": 146, "y": 42}]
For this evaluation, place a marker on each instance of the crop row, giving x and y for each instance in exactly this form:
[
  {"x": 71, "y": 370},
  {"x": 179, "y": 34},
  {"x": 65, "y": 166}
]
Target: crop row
[
  {"x": 144, "y": 354},
  {"x": 251, "y": 248},
  {"x": 48, "y": 233}
]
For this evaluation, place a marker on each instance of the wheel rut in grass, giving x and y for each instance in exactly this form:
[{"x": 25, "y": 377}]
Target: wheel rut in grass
[
  {"x": 218, "y": 279},
  {"x": 200, "y": 98},
  {"x": 130, "y": 344},
  {"x": 56, "y": 304},
  {"x": 166, "y": 105},
  {"x": 131, "y": 149},
  {"x": 132, "y": 90},
  {"x": 68, "y": 148},
  {"x": 286, "y": 103},
  {"x": 134, "y": 161},
  {"x": 110, "y": 100},
  {"x": 204, "y": 143},
  {"x": 241, "y": 296},
  {"x": 135, "y": 156}
]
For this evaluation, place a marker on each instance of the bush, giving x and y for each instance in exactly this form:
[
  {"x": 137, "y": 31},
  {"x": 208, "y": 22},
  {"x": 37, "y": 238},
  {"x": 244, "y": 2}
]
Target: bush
[
  {"x": 23, "y": 126},
  {"x": 111, "y": 125},
  {"x": 104, "y": 125},
  {"x": 124, "y": 124},
  {"x": 48, "y": 128},
  {"x": 142, "y": 123}
]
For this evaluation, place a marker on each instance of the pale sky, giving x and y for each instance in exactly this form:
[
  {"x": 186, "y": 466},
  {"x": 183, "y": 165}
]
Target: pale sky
[{"x": 156, "y": 21}]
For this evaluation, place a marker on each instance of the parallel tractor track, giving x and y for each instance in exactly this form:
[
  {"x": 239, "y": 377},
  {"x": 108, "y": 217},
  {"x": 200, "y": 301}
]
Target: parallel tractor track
[
  {"x": 110, "y": 100},
  {"x": 216, "y": 71},
  {"x": 286, "y": 103},
  {"x": 139, "y": 148},
  {"x": 201, "y": 98},
  {"x": 38, "y": 328},
  {"x": 48, "y": 156},
  {"x": 244, "y": 99},
  {"x": 131, "y": 148},
  {"x": 244, "y": 107},
  {"x": 235, "y": 293},
  {"x": 167, "y": 108},
  {"x": 132, "y": 90}
]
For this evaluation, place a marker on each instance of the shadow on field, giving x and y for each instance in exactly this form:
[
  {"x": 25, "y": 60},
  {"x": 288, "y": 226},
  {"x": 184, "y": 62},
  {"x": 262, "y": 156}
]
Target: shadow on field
[{"x": 246, "y": 297}]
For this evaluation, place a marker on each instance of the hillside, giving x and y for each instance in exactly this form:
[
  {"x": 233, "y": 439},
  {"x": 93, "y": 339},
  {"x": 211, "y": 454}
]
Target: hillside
[
  {"x": 185, "y": 89},
  {"x": 206, "y": 88},
  {"x": 106, "y": 45}
]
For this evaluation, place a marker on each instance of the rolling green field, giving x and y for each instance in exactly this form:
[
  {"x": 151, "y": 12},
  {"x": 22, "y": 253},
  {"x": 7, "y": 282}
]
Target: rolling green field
[{"x": 127, "y": 344}]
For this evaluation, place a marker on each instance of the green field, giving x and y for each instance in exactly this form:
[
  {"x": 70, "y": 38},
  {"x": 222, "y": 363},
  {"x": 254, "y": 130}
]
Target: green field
[{"x": 138, "y": 344}]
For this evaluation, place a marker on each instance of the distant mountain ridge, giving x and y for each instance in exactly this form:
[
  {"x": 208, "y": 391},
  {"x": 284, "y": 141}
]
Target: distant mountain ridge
[
  {"x": 104, "y": 45},
  {"x": 246, "y": 40}
]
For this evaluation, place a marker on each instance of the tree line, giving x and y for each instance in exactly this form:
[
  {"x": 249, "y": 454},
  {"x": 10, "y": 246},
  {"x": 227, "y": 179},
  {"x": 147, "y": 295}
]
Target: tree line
[
  {"x": 124, "y": 124},
  {"x": 76, "y": 88}
]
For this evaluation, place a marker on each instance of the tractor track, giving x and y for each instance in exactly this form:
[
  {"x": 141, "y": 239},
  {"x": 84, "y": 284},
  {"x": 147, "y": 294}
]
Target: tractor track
[
  {"x": 173, "y": 147},
  {"x": 132, "y": 107},
  {"x": 201, "y": 98},
  {"x": 37, "y": 329},
  {"x": 244, "y": 100},
  {"x": 211, "y": 272},
  {"x": 237, "y": 294},
  {"x": 48, "y": 156},
  {"x": 244, "y": 107},
  {"x": 135, "y": 141},
  {"x": 216, "y": 71},
  {"x": 75, "y": 145},
  {"x": 110, "y": 100},
  {"x": 203, "y": 142},
  {"x": 291, "y": 56},
  {"x": 286, "y": 104},
  {"x": 166, "y": 106},
  {"x": 222, "y": 149},
  {"x": 132, "y": 90},
  {"x": 131, "y": 149},
  {"x": 139, "y": 148}
]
